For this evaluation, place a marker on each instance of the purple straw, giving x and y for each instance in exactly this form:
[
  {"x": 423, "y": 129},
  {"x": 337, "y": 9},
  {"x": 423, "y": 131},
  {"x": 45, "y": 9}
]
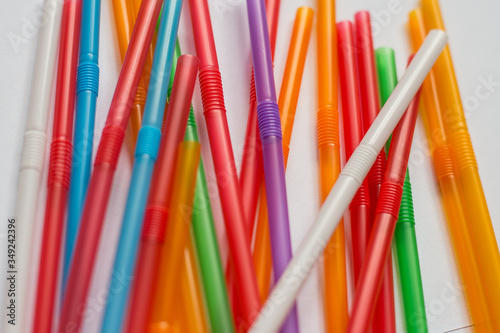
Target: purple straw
[{"x": 272, "y": 148}]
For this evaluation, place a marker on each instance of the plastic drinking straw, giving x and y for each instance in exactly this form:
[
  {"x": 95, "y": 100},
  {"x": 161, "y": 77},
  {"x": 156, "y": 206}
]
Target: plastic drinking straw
[
  {"x": 59, "y": 166},
  {"x": 386, "y": 217},
  {"x": 251, "y": 165},
  {"x": 220, "y": 142},
  {"x": 145, "y": 157},
  {"x": 157, "y": 213},
  {"x": 124, "y": 20},
  {"x": 346, "y": 186},
  {"x": 334, "y": 264},
  {"x": 104, "y": 167},
  {"x": 196, "y": 318},
  {"x": 449, "y": 183},
  {"x": 176, "y": 235},
  {"x": 205, "y": 238},
  {"x": 287, "y": 102},
  {"x": 31, "y": 166},
  {"x": 405, "y": 237},
  {"x": 87, "y": 89},
  {"x": 360, "y": 206},
  {"x": 268, "y": 116},
  {"x": 370, "y": 106},
  {"x": 456, "y": 131},
  {"x": 252, "y": 168}
]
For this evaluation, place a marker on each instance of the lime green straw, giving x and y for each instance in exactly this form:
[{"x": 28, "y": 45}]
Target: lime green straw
[
  {"x": 405, "y": 237},
  {"x": 205, "y": 239}
]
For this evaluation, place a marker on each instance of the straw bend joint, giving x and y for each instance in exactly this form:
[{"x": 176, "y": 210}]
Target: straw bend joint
[
  {"x": 111, "y": 143},
  {"x": 212, "y": 94},
  {"x": 328, "y": 126},
  {"x": 155, "y": 219},
  {"x": 268, "y": 115},
  {"x": 87, "y": 77},
  {"x": 376, "y": 174},
  {"x": 464, "y": 153},
  {"x": 390, "y": 199},
  {"x": 406, "y": 213},
  {"x": 33, "y": 150},
  {"x": 360, "y": 162},
  {"x": 141, "y": 93},
  {"x": 60, "y": 162},
  {"x": 443, "y": 162},
  {"x": 148, "y": 142}
]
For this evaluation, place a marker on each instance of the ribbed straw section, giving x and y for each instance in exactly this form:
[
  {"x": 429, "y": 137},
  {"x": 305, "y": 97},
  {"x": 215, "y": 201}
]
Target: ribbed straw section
[
  {"x": 268, "y": 115},
  {"x": 142, "y": 91},
  {"x": 148, "y": 142},
  {"x": 376, "y": 174},
  {"x": 390, "y": 199},
  {"x": 33, "y": 150},
  {"x": 328, "y": 126},
  {"x": 406, "y": 213},
  {"x": 443, "y": 162},
  {"x": 462, "y": 147},
  {"x": 155, "y": 222},
  {"x": 87, "y": 77},
  {"x": 108, "y": 152},
  {"x": 286, "y": 152},
  {"x": 60, "y": 163},
  {"x": 362, "y": 197},
  {"x": 360, "y": 162},
  {"x": 253, "y": 93},
  {"x": 191, "y": 118},
  {"x": 212, "y": 94}
]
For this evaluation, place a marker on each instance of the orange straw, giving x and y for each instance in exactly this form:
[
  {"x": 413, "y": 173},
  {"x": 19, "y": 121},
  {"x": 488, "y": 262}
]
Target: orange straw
[
  {"x": 335, "y": 292},
  {"x": 458, "y": 135},
  {"x": 459, "y": 223},
  {"x": 124, "y": 27},
  {"x": 287, "y": 103},
  {"x": 194, "y": 306},
  {"x": 171, "y": 262}
]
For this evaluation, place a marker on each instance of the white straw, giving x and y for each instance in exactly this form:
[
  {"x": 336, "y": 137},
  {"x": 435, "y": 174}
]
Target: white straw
[
  {"x": 31, "y": 167},
  {"x": 282, "y": 297}
]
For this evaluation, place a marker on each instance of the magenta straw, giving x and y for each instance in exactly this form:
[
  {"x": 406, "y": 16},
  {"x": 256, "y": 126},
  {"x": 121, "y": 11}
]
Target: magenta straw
[{"x": 270, "y": 132}]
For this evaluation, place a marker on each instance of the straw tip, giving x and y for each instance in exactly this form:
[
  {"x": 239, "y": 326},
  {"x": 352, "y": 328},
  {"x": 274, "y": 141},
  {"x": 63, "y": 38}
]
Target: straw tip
[
  {"x": 438, "y": 35},
  {"x": 384, "y": 51},
  {"x": 346, "y": 24},
  {"x": 362, "y": 15},
  {"x": 305, "y": 10}
]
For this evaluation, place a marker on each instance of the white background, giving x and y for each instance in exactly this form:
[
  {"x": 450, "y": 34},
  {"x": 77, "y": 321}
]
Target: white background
[{"x": 473, "y": 28}]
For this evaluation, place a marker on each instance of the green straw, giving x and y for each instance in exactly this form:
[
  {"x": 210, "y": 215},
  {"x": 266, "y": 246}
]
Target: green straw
[
  {"x": 205, "y": 239},
  {"x": 405, "y": 237}
]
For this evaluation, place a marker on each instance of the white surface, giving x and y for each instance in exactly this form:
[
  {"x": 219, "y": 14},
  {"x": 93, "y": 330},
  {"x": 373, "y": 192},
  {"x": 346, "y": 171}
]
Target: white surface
[
  {"x": 473, "y": 32},
  {"x": 282, "y": 297}
]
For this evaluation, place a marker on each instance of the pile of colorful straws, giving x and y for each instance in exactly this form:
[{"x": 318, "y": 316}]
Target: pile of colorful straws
[{"x": 168, "y": 226}]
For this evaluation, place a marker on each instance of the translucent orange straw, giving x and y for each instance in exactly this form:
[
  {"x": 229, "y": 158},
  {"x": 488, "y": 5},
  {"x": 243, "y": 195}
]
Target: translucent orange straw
[
  {"x": 335, "y": 292},
  {"x": 458, "y": 135},
  {"x": 125, "y": 14},
  {"x": 194, "y": 306},
  {"x": 459, "y": 223},
  {"x": 181, "y": 206},
  {"x": 287, "y": 103}
]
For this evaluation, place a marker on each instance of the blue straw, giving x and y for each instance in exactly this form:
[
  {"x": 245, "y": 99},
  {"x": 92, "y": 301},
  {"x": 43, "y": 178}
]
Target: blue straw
[
  {"x": 146, "y": 152},
  {"x": 87, "y": 87}
]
